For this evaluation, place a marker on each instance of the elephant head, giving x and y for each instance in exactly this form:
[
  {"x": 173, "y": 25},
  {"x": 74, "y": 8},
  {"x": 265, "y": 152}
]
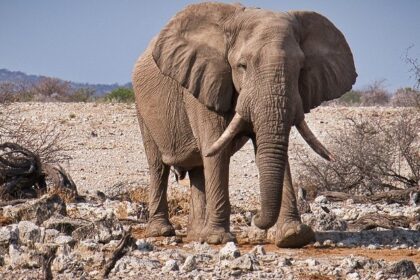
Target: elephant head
[{"x": 267, "y": 69}]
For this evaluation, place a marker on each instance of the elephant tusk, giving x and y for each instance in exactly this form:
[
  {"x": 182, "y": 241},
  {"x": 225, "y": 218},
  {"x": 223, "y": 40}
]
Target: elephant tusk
[
  {"x": 230, "y": 132},
  {"x": 313, "y": 142}
]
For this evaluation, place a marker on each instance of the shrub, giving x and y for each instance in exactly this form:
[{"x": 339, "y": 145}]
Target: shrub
[
  {"x": 81, "y": 95},
  {"x": 52, "y": 89},
  {"x": 45, "y": 140},
  {"x": 29, "y": 157},
  {"x": 16, "y": 91},
  {"x": 375, "y": 94},
  {"x": 370, "y": 156},
  {"x": 414, "y": 65},
  {"x": 351, "y": 98},
  {"x": 406, "y": 97},
  {"x": 120, "y": 94}
]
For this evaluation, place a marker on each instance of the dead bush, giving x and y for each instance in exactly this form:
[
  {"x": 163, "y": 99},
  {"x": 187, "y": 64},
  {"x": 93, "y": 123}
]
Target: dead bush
[
  {"x": 375, "y": 94},
  {"x": 414, "y": 65},
  {"x": 370, "y": 156},
  {"x": 406, "y": 97},
  {"x": 52, "y": 89},
  {"x": 44, "y": 140},
  {"x": 29, "y": 157},
  {"x": 44, "y": 90},
  {"x": 16, "y": 91}
]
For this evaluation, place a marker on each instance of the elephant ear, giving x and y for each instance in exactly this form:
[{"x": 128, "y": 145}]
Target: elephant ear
[
  {"x": 328, "y": 71},
  {"x": 191, "y": 49}
]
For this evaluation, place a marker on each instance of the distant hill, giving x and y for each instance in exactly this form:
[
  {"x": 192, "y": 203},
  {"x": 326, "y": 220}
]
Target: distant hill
[{"x": 17, "y": 76}]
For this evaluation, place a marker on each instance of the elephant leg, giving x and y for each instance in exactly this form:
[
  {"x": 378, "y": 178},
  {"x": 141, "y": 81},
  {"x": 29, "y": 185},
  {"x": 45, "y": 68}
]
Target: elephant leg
[
  {"x": 158, "y": 224},
  {"x": 197, "y": 214},
  {"x": 217, "y": 222},
  {"x": 290, "y": 232}
]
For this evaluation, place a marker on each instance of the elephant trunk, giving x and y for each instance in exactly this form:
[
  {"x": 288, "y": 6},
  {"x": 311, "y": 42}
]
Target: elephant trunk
[
  {"x": 272, "y": 144},
  {"x": 272, "y": 119}
]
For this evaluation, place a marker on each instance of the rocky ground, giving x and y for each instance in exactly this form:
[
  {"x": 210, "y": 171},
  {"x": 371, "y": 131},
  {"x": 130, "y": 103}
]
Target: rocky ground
[{"x": 88, "y": 238}]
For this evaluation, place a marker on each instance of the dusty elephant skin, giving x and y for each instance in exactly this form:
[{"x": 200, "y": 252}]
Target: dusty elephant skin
[{"x": 218, "y": 75}]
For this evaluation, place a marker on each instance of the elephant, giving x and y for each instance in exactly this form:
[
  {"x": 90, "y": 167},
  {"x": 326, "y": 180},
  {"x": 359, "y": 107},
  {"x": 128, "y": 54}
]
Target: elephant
[{"x": 218, "y": 75}]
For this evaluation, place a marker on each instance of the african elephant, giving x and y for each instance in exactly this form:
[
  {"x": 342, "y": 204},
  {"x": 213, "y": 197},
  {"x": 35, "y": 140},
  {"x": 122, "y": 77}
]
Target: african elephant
[{"x": 217, "y": 75}]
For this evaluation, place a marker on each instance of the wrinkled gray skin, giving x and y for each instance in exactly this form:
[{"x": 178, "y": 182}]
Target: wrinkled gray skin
[{"x": 251, "y": 72}]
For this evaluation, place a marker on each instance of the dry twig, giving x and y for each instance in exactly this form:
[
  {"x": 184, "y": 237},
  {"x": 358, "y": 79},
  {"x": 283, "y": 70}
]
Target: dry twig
[{"x": 118, "y": 253}]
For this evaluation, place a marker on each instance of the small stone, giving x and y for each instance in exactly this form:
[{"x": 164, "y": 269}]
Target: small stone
[
  {"x": 404, "y": 268},
  {"x": 243, "y": 263},
  {"x": 172, "y": 240},
  {"x": 248, "y": 217},
  {"x": 63, "y": 260},
  {"x": 202, "y": 248},
  {"x": 132, "y": 265},
  {"x": 312, "y": 262},
  {"x": 372, "y": 247},
  {"x": 144, "y": 246},
  {"x": 321, "y": 199},
  {"x": 285, "y": 262},
  {"x": 322, "y": 220},
  {"x": 50, "y": 235},
  {"x": 64, "y": 224},
  {"x": 415, "y": 227},
  {"x": 8, "y": 234},
  {"x": 21, "y": 257},
  {"x": 108, "y": 247},
  {"x": 236, "y": 273},
  {"x": 87, "y": 245},
  {"x": 379, "y": 275},
  {"x": 256, "y": 235},
  {"x": 65, "y": 239},
  {"x": 328, "y": 243},
  {"x": 29, "y": 233},
  {"x": 189, "y": 264},
  {"x": 102, "y": 231},
  {"x": 229, "y": 251},
  {"x": 36, "y": 211},
  {"x": 353, "y": 276},
  {"x": 349, "y": 201},
  {"x": 258, "y": 250},
  {"x": 15, "y": 256},
  {"x": 414, "y": 199},
  {"x": 352, "y": 263},
  {"x": 170, "y": 265},
  {"x": 317, "y": 244}
]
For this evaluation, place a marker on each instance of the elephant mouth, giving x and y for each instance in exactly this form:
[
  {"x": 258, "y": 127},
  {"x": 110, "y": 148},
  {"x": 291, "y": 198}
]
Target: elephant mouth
[{"x": 238, "y": 123}]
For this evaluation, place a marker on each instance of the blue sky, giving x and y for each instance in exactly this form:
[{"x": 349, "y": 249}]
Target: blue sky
[{"x": 98, "y": 41}]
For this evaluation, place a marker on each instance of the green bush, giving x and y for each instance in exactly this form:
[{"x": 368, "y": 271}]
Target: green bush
[
  {"x": 351, "y": 98},
  {"x": 121, "y": 94}
]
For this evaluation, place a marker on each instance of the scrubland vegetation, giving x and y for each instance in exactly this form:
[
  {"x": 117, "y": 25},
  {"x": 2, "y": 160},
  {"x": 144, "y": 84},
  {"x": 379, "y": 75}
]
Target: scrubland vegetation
[{"x": 56, "y": 90}]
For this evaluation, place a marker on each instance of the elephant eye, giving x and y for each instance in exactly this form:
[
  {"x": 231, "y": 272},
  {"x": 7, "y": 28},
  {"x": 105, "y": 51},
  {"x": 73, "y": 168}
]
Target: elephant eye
[{"x": 242, "y": 65}]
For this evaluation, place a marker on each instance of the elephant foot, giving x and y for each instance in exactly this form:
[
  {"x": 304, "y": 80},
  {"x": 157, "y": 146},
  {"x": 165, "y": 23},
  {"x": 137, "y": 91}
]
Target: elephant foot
[
  {"x": 194, "y": 231},
  {"x": 294, "y": 235},
  {"x": 216, "y": 236},
  {"x": 192, "y": 235},
  {"x": 159, "y": 228},
  {"x": 195, "y": 225}
]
